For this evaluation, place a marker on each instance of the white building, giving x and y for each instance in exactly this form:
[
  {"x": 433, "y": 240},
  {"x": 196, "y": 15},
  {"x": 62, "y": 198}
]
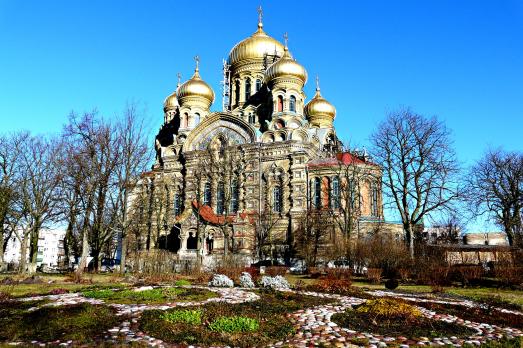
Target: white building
[{"x": 50, "y": 248}]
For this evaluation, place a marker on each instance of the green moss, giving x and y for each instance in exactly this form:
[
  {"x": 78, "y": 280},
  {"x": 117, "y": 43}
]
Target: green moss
[
  {"x": 151, "y": 296},
  {"x": 182, "y": 282},
  {"x": 234, "y": 324},
  {"x": 261, "y": 322},
  {"x": 188, "y": 316},
  {"x": 82, "y": 323}
]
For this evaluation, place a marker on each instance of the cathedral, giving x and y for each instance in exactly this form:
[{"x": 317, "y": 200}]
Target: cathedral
[{"x": 250, "y": 175}]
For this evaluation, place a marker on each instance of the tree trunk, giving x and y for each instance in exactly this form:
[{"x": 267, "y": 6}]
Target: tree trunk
[
  {"x": 123, "y": 254},
  {"x": 85, "y": 253},
  {"x": 23, "y": 254},
  {"x": 410, "y": 236}
]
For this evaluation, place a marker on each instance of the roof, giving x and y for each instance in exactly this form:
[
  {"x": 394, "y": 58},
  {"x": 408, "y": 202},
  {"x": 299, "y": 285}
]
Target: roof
[
  {"x": 342, "y": 158},
  {"x": 207, "y": 214}
]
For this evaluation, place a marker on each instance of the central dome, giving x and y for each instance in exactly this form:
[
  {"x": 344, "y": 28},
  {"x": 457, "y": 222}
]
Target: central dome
[{"x": 255, "y": 47}]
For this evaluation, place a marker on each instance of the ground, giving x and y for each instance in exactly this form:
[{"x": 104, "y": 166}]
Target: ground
[{"x": 109, "y": 310}]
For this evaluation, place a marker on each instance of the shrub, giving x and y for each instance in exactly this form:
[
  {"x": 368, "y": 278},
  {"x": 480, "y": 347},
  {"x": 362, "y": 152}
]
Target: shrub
[
  {"x": 233, "y": 273},
  {"x": 466, "y": 274},
  {"x": 254, "y": 272},
  {"x": 391, "y": 284},
  {"x": 338, "y": 273},
  {"x": 188, "y": 316},
  {"x": 277, "y": 282},
  {"x": 274, "y": 271},
  {"x": 404, "y": 274},
  {"x": 234, "y": 324},
  {"x": 221, "y": 280},
  {"x": 388, "y": 308},
  {"x": 338, "y": 286},
  {"x": 246, "y": 281},
  {"x": 374, "y": 275},
  {"x": 58, "y": 291}
]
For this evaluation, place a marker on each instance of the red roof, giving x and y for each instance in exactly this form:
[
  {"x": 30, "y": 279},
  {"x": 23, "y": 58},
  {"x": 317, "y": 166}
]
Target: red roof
[{"x": 342, "y": 158}]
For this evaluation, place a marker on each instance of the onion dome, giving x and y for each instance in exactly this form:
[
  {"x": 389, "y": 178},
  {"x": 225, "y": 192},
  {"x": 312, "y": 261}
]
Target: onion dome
[
  {"x": 170, "y": 103},
  {"x": 286, "y": 66},
  {"x": 319, "y": 111},
  {"x": 255, "y": 47},
  {"x": 195, "y": 90}
]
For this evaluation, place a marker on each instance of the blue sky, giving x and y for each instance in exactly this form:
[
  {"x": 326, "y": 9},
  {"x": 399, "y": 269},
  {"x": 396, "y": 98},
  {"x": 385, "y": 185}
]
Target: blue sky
[{"x": 459, "y": 60}]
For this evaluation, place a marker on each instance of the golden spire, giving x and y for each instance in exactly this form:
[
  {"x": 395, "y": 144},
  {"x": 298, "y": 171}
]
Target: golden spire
[
  {"x": 260, "y": 16},
  {"x": 197, "y": 69}
]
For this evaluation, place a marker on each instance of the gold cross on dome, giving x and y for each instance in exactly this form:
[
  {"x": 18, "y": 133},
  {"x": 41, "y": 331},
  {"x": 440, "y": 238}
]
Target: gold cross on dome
[
  {"x": 260, "y": 14},
  {"x": 179, "y": 77},
  {"x": 286, "y": 39},
  {"x": 197, "y": 60},
  {"x": 317, "y": 82}
]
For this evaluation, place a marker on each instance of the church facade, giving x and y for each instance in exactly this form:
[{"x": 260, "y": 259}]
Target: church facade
[{"x": 251, "y": 174}]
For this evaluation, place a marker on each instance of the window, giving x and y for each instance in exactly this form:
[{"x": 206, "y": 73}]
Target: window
[
  {"x": 280, "y": 104},
  {"x": 235, "y": 199},
  {"x": 292, "y": 104},
  {"x": 258, "y": 85},
  {"x": 317, "y": 193},
  {"x": 237, "y": 91},
  {"x": 374, "y": 200},
  {"x": 277, "y": 202},
  {"x": 335, "y": 193},
  {"x": 220, "y": 199},
  {"x": 247, "y": 89},
  {"x": 251, "y": 118},
  {"x": 177, "y": 204},
  {"x": 207, "y": 194}
]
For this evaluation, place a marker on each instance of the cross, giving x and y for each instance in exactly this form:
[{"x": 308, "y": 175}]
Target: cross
[
  {"x": 197, "y": 60},
  {"x": 179, "y": 77},
  {"x": 286, "y": 38},
  {"x": 317, "y": 83},
  {"x": 260, "y": 14}
]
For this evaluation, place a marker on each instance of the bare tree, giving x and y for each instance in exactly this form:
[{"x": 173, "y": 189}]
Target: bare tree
[
  {"x": 313, "y": 234},
  {"x": 495, "y": 188},
  {"x": 352, "y": 172},
  {"x": 419, "y": 165},
  {"x": 222, "y": 166},
  {"x": 40, "y": 193},
  {"x": 447, "y": 230},
  {"x": 11, "y": 150},
  {"x": 134, "y": 156}
]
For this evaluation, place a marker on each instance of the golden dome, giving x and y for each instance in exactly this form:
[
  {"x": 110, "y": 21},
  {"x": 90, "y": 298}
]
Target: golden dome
[
  {"x": 195, "y": 87},
  {"x": 318, "y": 107},
  {"x": 170, "y": 102},
  {"x": 255, "y": 47},
  {"x": 286, "y": 66}
]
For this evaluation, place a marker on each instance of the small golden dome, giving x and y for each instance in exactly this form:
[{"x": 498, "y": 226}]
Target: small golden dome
[
  {"x": 255, "y": 47},
  {"x": 170, "y": 102},
  {"x": 286, "y": 66},
  {"x": 195, "y": 87},
  {"x": 318, "y": 107}
]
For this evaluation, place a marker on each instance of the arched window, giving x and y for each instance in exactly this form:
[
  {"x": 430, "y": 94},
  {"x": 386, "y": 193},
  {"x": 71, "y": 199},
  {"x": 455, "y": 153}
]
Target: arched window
[
  {"x": 292, "y": 104},
  {"x": 237, "y": 91},
  {"x": 317, "y": 193},
  {"x": 235, "y": 199},
  {"x": 207, "y": 194},
  {"x": 374, "y": 200},
  {"x": 247, "y": 89},
  {"x": 220, "y": 199},
  {"x": 335, "y": 193},
  {"x": 280, "y": 104},
  {"x": 277, "y": 199},
  {"x": 177, "y": 204},
  {"x": 185, "y": 120},
  {"x": 258, "y": 85}
]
